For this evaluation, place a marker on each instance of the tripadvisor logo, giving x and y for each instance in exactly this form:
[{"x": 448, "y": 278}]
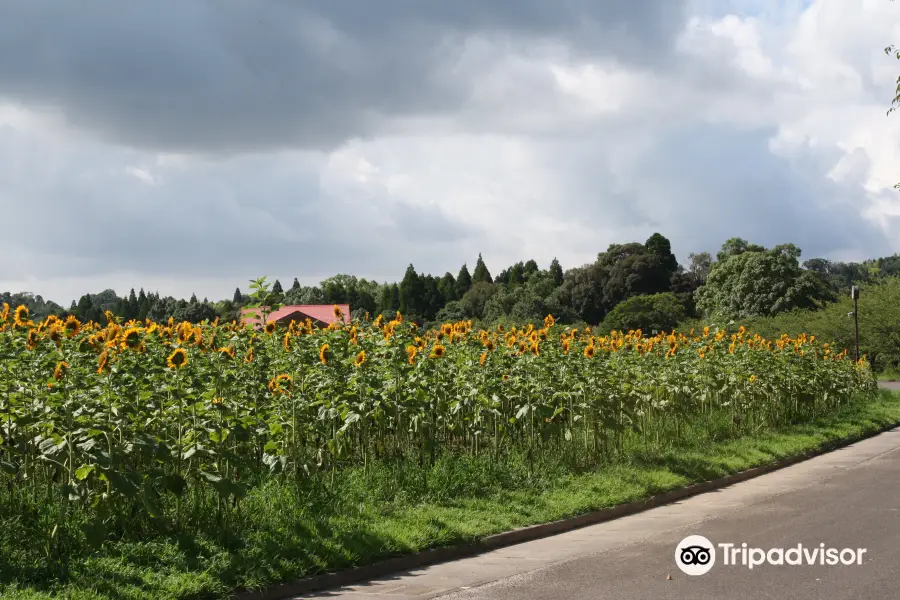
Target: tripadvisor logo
[{"x": 696, "y": 555}]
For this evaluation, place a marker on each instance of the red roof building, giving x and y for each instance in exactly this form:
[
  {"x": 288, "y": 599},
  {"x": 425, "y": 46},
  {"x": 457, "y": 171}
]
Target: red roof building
[{"x": 321, "y": 315}]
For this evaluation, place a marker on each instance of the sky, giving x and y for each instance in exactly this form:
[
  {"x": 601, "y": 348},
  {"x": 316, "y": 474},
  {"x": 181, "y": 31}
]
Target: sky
[{"x": 187, "y": 147}]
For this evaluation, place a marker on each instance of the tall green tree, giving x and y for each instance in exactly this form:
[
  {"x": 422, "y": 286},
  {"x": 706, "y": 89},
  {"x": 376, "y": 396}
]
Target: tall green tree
[
  {"x": 133, "y": 307},
  {"x": 556, "y": 272},
  {"x": 463, "y": 281},
  {"x": 144, "y": 305},
  {"x": 754, "y": 283},
  {"x": 389, "y": 300},
  {"x": 447, "y": 286},
  {"x": 412, "y": 293},
  {"x": 735, "y": 246},
  {"x": 481, "y": 273},
  {"x": 516, "y": 274}
]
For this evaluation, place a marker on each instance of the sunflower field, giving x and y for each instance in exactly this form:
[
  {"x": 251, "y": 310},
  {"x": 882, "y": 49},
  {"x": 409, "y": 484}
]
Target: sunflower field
[{"x": 116, "y": 419}]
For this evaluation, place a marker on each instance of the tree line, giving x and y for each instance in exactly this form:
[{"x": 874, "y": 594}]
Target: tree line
[{"x": 630, "y": 285}]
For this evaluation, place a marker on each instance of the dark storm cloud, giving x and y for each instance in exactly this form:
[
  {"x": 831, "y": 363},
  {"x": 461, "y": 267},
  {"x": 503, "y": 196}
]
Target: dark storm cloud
[{"x": 238, "y": 75}]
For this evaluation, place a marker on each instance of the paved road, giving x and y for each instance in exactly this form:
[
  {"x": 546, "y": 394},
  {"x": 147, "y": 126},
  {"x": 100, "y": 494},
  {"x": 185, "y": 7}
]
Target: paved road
[{"x": 846, "y": 499}]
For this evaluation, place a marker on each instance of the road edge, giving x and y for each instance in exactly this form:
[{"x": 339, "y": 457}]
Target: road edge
[{"x": 336, "y": 579}]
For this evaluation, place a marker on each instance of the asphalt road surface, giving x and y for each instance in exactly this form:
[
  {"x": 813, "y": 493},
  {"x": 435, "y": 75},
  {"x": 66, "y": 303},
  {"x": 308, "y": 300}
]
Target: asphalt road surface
[{"x": 849, "y": 498}]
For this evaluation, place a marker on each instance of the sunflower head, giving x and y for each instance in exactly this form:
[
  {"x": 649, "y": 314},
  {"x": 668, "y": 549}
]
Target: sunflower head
[
  {"x": 589, "y": 351},
  {"x": 60, "y": 370},
  {"x": 549, "y": 321},
  {"x": 131, "y": 338},
  {"x": 55, "y": 334},
  {"x": 324, "y": 353},
  {"x": 489, "y": 345},
  {"x": 535, "y": 349},
  {"x": 102, "y": 361},
  {"x": 227, "y": 352},
  {"x": 411, "y": 352},
  {"x": 360, "y": 358},
  {"x": 185, "y": 331},
  {"x": 270, "y": 328},
  {"x": 20, "y": 317},
  {"x": 250, "y": 356},
  {"x": 4, "y": 313},
  {"x": 338, "y": 313},
  {"x": 32, "y": 339},
  {"x": 483, "y": 359},
  {"x": 281, "y": 384},
  {"x": 438, "y": 351},
  {"x": 566, "y": 346},
  {"x": 286, "y": 342},
  {"x": 177, "y": 359}
]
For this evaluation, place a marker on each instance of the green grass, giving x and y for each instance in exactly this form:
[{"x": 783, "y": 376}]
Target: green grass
[
  {"x": 889, "y": 375},
  {"x": 285, "y": 533}
]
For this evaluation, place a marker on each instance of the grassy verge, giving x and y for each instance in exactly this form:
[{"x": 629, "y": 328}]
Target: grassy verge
[
  {"x": 286, "y": 533},
  {"x": 889, "y": 375}
]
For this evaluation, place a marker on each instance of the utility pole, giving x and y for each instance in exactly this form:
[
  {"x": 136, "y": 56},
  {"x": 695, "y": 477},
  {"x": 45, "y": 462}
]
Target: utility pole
[{"x": 854, "y": 293}]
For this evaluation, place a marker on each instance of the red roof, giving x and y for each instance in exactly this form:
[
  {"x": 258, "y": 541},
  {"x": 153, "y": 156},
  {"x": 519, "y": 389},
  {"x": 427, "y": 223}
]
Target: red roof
[{"x": 317, "y": 312}]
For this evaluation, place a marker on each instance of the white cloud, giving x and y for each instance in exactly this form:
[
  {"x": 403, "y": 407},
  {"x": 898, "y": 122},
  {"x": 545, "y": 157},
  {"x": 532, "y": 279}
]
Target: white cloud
[{"x": 467, "y": 133}]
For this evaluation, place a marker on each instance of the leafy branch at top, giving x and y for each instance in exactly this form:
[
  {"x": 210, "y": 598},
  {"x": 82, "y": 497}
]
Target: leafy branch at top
[{"x": 263, "y": 298}]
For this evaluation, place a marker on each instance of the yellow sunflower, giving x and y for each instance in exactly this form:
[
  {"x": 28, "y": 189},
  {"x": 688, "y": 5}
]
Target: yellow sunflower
[
  {"x": 72, "y": 326},
  {"x": 589, "y": 351},
  {"x": 324, "y": 353},
  {"x": 177, "y": 359},
  {"x": 227, "y": 352},
  {"x": 131, "y": 339},
  {"x": 270, "y": 327},
  {"x": 438, "y": 351},
  {"x": 32, "y": 339},
  {"x": 281, "y": 384},
  {"x": 20, "y": 319},
  {"x": 60, "y": 370},
  {"x": 360, "y": 358},
  {"x": 102, "y": 361},
  {"x": 55, "y": 335}
]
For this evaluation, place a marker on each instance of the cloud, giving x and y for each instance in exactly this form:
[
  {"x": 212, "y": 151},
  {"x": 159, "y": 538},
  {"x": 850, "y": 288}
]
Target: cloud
[
  {"x": 225, "y": 75},
  {"x": 189, "y": 147}
]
